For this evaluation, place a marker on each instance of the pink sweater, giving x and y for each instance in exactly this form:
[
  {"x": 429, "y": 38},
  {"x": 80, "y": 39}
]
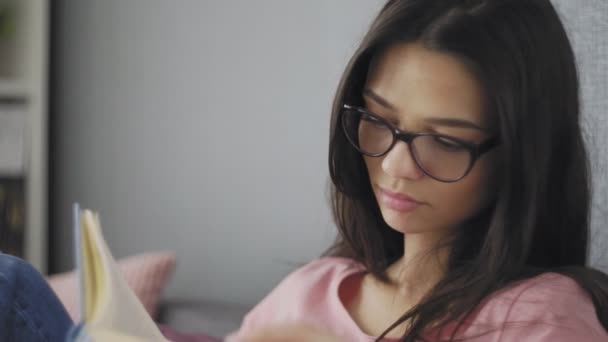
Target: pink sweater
[{"x": 549, "y": 307}]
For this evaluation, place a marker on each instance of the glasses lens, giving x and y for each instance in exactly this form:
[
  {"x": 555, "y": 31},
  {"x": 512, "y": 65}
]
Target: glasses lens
[
  {"x": 367, "y": 134},
  {"x": 441, "y": 157}
]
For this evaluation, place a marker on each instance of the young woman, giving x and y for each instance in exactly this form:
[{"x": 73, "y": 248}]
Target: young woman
[{"x": 460, "y": 188}]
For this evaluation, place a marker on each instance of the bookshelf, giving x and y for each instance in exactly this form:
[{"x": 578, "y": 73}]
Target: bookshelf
[{"x": 24, "y": 31}]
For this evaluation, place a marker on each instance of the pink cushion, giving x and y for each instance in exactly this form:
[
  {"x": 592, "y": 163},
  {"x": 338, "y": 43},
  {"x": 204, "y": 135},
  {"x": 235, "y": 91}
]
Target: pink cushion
[{"x": 147, "y": 275}]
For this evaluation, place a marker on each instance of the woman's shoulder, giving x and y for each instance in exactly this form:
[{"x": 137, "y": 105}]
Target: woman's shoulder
[
  {"x": 324, "y": 266},
  {"x": 547, "y": 290},
  {"x": 314, "y": 279},
  {"x": 308, "y": 290},
  {"x": 549, "y": 304},
  {"x": 316, "y": 276}
]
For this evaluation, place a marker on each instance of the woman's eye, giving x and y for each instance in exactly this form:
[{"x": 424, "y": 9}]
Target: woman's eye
[
  {"x": 449, "y": 144},
  {"x": 373, "y": 121}
]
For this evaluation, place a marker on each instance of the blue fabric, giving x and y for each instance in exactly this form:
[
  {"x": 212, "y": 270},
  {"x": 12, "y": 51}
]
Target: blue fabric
[
  {"x": 29, "y": 309},
  {"x": 77, "y": 333}
]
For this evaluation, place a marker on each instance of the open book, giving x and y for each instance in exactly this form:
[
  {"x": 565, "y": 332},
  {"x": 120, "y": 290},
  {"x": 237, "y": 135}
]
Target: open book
[{"x": 110, "y": 310}]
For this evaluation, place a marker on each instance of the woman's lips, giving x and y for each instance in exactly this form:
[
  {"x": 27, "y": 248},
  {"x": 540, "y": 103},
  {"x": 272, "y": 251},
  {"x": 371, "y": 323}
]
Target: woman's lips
[{"x": 398, "y": 201}]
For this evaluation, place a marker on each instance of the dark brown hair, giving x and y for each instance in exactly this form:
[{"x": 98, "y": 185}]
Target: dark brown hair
[{"x": 539, "y": 221}]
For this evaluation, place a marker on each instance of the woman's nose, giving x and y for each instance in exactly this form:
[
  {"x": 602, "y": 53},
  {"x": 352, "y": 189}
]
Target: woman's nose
[{"x": 399, "y": 163}]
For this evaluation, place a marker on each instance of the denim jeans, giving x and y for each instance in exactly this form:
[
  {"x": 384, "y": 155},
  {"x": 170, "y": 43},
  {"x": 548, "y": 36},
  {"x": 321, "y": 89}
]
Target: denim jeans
[{"x": 29, "y": 309}]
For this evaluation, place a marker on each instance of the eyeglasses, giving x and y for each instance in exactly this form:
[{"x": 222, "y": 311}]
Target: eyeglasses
[{"x": 440, "y": 157}]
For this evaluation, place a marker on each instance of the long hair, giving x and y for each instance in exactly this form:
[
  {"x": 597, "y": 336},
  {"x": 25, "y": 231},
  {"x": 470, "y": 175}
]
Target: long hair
[{"x": 520, "y": 53}]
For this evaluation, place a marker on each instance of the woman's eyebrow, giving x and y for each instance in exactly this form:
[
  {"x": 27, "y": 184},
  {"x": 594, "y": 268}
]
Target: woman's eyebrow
[
  {"x": 457, "y": 123},
  {"x": 449, "y": 122},
  {"x": 368, "y": 93}
]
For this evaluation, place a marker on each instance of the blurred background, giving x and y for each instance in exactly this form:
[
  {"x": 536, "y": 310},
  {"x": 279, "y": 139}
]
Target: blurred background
[{"x": 200, "y": 127}]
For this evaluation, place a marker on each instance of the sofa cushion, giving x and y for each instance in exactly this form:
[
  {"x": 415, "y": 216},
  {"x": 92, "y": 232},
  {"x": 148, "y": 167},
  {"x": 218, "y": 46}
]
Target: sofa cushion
[{"x": 146, "y": 274}]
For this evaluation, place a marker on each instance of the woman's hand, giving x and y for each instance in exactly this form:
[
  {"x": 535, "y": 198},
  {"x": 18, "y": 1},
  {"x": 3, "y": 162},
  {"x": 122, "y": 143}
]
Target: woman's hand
[{"x": 292, "y": 333}]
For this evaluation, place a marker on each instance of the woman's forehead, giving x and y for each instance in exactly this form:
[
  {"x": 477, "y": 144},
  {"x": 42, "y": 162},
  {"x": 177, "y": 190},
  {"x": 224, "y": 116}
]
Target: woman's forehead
[{"x": 414, "y": 79}]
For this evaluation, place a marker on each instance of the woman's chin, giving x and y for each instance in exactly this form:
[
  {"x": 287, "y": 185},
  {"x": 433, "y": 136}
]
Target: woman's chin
[{"x": 401, "y": 222}]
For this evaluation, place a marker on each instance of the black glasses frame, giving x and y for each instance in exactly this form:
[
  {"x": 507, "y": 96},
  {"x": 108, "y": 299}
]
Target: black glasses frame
[{"x": 475, "y": 150}]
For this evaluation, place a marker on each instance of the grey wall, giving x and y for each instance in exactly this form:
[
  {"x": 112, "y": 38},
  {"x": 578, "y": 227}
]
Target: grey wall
[{"x": 201, "y": 126}]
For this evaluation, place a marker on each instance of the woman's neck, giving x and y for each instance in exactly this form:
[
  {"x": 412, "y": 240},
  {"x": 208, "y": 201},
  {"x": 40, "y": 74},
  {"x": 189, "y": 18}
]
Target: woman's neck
[{"x": 423, "y": 264}]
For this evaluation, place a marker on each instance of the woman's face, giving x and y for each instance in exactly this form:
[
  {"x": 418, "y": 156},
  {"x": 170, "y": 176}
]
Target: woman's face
[{"x": 419, "y": 90}]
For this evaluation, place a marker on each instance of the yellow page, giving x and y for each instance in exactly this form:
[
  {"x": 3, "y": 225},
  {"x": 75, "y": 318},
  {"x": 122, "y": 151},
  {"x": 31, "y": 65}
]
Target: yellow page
[
  {"x": 104, "y": 335},
  {"x": 110, "y": 307}
]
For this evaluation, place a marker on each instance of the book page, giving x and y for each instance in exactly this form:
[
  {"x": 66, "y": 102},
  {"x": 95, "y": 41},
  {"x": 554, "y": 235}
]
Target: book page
[{"x": 111, "y": 307}]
